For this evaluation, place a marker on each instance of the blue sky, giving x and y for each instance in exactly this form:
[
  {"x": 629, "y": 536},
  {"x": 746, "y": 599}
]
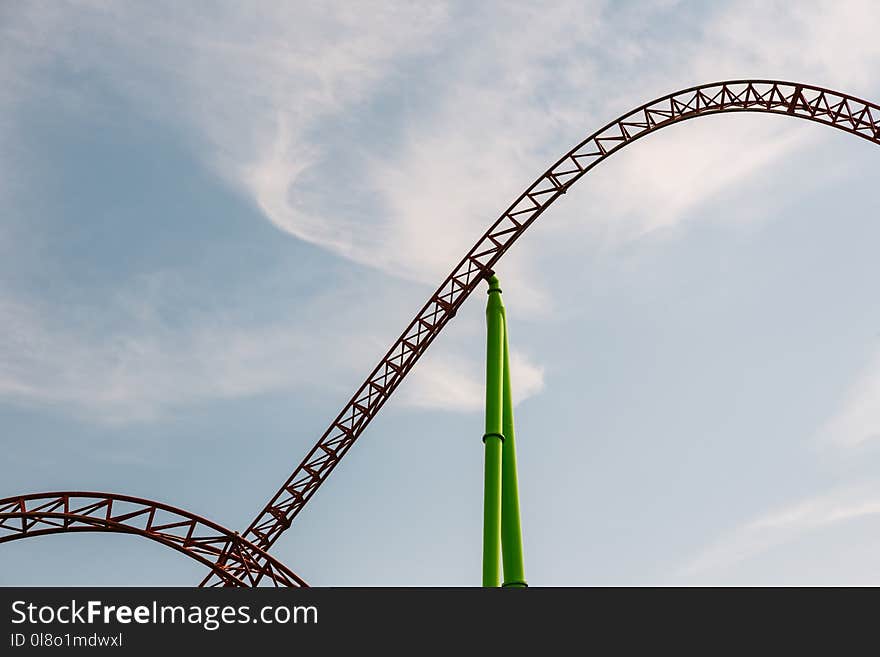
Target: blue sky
[{"x": 215, "y": 218}]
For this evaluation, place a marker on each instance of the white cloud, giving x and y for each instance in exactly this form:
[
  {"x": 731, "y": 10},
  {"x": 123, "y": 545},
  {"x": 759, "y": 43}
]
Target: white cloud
[
  {"x": 823, "y": 42},
  {"x": 785, "y": 525},
  {"x": 673, "y": 175},
  {"x": 456, "y": 383},
  {"x": 246, "y": 86},
  {"x": 483, "y": 99},
  {"x": 668, "y": 176},
  {"x": 479, "y": 100},
  {"x": 75, "y": 362},
  {"x": 858, "y": 419}
]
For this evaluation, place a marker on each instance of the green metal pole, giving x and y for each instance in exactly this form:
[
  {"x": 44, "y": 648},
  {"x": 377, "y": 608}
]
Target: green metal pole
[
  {"x": 511, "y": 530},
  {"x": 493, "y": 438}
]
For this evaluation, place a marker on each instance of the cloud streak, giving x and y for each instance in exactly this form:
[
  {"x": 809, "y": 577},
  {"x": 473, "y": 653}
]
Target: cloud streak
[
  {"x": 857, "y": 421},
  {"x": 785, "y": 525},
  {"x": 471, "y": 104},
  {"x": 456, "y": 383},
  {"x": 123, "y": 362},
  {"x": 394, "y": 148},
  {"x": 147, "y": 369}
]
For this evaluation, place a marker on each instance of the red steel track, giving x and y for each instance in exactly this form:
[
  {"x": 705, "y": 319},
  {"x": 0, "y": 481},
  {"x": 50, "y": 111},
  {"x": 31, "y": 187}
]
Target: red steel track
[
  {"x": 243, "y": 560},
  {"x": 838, "y": 110},
  {"x": 229, "y": 556}
]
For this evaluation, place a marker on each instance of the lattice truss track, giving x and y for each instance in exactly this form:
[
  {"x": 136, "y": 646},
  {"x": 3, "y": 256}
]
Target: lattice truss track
[{"x": 214, "y": 546}]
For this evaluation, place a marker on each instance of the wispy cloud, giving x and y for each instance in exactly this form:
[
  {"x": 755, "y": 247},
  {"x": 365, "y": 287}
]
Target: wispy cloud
[
  {"x": 857, "y": 421},
  {"x": 457, "y": 383},
  {"x": 147, "y": 367},
  {"x": 784, "y": 525},
  {"x": 825, "y": 42},
  {"x": 392, "y": 134},
  {"x": 470, "y": 102}
]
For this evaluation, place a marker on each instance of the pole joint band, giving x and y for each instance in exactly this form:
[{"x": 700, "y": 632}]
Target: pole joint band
[{"x": 489, "y": 435}]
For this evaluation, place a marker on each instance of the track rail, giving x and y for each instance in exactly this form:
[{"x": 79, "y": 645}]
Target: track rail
[
  {"x": 233, "y": 560},
  {"x": 835, "y": 109}
]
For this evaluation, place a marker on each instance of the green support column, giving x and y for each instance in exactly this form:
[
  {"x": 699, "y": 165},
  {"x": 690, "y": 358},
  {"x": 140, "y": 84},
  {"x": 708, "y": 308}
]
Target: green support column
[
  {"x": 511, "y": 531},
  {"x": 493, "y": 438}
]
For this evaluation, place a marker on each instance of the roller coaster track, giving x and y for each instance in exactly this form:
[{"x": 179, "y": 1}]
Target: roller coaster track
[
  {"x": 244, "y": 560},
  {"x": 838, "y": 110},
  {"x": 221, "y": 550}
]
